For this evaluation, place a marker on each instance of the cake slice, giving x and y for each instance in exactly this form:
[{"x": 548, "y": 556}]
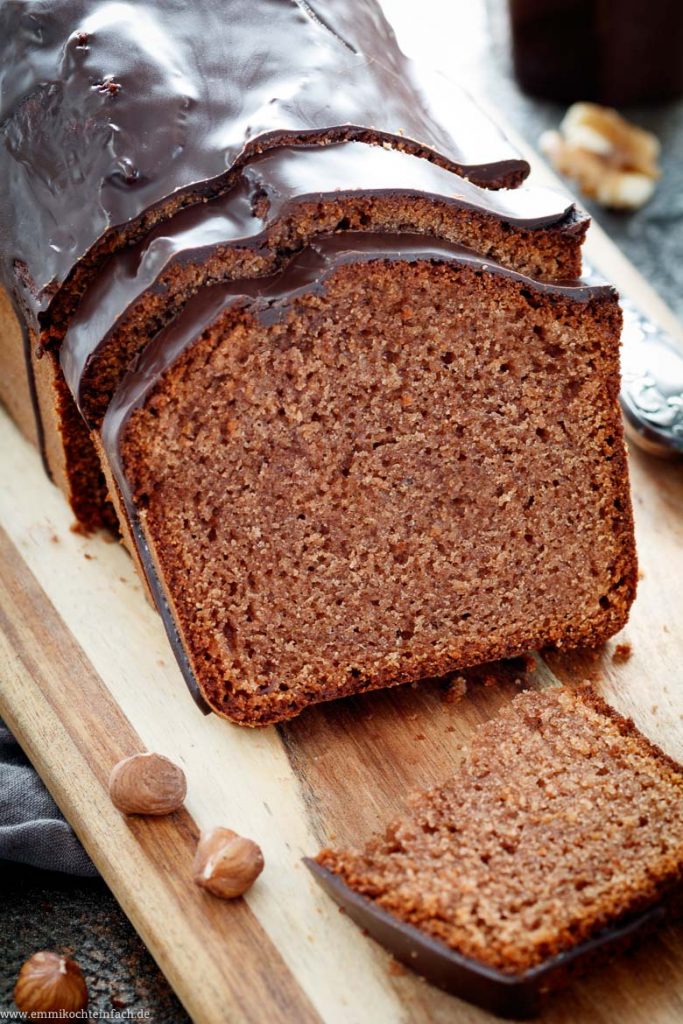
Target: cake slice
[
  {"x": 558, "y": 838},
  {"x": 389, "y": 460},
  {"x": 281, "y": 200}
]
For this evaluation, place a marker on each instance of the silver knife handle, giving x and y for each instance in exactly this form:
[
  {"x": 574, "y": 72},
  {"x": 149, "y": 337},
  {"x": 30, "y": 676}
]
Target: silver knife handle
[{"x": 652, "y": 383}]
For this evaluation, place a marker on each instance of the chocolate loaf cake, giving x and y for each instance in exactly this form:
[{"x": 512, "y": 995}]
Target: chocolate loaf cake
[
  {"x": 558, "y": 839},
  {"x": 310, "y": 342},
  {"x": 391, "y": 459},
  {"x": 113, "y": 117}
]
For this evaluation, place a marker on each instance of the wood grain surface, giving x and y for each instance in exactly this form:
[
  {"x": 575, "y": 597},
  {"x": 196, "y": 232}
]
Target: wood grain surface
[{"x": 87, "y": 678}]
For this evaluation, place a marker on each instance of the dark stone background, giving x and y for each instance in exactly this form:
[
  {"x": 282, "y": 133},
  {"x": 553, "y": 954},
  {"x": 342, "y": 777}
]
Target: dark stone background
[
  {"x": 80, "y": 918},
  {"x": 43, "y": 911}
]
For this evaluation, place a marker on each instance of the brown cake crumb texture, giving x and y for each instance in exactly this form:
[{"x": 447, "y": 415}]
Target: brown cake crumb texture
[
  {"x": 562, "y": 821},
  {"x": 418, "y": 470}
]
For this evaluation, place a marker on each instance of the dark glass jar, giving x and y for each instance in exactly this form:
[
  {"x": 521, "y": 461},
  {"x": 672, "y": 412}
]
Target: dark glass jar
[{"x": 612, "y": 51}]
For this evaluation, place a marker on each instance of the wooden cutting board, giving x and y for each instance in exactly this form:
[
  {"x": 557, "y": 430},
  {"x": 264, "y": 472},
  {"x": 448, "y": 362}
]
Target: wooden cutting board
[{"x": 86, "y": 678}]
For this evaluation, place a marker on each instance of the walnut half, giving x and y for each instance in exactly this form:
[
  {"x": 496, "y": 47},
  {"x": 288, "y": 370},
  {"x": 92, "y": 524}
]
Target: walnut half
[{"x": 612, "y": 161}]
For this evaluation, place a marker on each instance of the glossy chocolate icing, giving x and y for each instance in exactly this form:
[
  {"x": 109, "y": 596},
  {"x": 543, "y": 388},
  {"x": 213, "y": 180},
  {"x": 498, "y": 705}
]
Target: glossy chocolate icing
[
  {"x": 276, "y": 182},
  {"x": 109, "y": 108},
  {"x": 508, "y": 995},
  {"x": 270, "y": 298}
]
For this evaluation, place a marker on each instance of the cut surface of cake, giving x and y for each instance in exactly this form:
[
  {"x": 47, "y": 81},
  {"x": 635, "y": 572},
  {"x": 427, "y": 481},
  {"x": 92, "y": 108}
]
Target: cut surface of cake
[
  {"x": 562, "y": 825},
  {"x": 387, "y": 461}
]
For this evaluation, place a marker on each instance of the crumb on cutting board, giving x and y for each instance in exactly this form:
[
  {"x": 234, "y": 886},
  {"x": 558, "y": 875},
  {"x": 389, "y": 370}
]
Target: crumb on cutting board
[{"x": 622, "y": 653}]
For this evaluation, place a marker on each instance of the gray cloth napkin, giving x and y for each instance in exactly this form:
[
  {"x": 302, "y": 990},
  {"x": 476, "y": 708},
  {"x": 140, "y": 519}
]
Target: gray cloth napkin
[{"x": 32, "y": 830}]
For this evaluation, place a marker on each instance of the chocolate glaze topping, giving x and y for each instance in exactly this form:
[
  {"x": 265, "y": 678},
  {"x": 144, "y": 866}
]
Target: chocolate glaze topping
[
  {"x": 508, "y": 995},
  {"x": 33, "y": 394},
  {"x": 276, "y": 182},
  {"x": 108, "y": 109},
  {"x": 270, "y": 299}
]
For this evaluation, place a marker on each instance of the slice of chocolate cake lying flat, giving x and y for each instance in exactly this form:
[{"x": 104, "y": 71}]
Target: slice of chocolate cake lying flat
[
  {"x": 389, "y": 460},
  {"x": 558, "y": 840}
]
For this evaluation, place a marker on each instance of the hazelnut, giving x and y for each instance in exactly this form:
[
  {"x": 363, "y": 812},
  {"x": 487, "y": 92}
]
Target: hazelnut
[
  {"x": 226, "y": 864},
  {"x": 147, "y": 784},
  {"x": 49, "y": 982}
]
